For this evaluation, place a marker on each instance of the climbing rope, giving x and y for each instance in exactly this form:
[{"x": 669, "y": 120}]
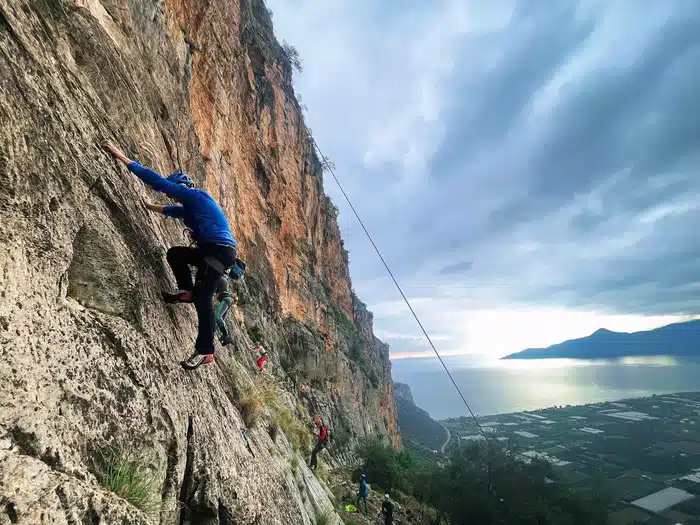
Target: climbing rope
[{"x": 398, "y": 287}]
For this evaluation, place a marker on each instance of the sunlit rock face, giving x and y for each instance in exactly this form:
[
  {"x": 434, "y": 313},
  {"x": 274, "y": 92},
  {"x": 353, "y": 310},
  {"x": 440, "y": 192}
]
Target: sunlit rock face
[{"x": 90, "y": 352}]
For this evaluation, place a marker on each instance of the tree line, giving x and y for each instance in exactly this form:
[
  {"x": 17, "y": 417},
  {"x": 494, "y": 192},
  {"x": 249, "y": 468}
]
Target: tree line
[{"x": 484, "y": 485}]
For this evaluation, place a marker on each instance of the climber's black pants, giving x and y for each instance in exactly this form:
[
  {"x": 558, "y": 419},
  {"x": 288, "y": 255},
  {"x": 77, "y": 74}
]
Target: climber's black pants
[
  {"x": 180, "y": 258},
  {"x": 362, "y": 499},
  {"x": 314, "y": 453}
]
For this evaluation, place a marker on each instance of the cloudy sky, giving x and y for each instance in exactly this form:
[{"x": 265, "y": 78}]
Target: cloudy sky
[{"x": 528, "y": 168}]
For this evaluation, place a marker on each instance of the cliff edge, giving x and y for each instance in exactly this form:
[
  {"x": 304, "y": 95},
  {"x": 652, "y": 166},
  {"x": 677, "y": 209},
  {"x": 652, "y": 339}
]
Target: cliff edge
[{"x": 90, "y": 351}]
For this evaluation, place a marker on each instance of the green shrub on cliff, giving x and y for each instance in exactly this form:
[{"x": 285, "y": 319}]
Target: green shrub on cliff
[
  {"x": 292, "y": 57},
  {"x": 250, "y": 408},
  {"x": 266, "y": 395}
]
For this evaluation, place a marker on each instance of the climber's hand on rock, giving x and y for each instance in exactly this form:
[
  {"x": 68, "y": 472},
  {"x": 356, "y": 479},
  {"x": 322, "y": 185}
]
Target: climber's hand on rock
[
  {"x": 152, "y": 207},
  {"x": 116, "y": 152},
  {"x": 111, "y": 148}
]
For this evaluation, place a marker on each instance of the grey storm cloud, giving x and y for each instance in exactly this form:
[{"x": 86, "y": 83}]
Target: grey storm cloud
[
  {"x": 628, "y": 135},
  {"x": 596, "y": 129},
  {"x": 567, "y": 167},
  {"x": 456, "y": 268},
  {"x": 539, "y": 39}
]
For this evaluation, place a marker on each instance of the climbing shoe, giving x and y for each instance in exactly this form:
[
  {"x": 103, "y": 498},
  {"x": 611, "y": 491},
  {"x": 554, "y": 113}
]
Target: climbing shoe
[
  {"x": 226, "y": 340},
  {"x": 178, "y": 296},
  {"x": 195, "y": 360}
]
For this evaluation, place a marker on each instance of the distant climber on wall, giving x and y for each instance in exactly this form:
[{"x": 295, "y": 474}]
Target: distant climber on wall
[
  {"x": 214, "y": 254},
  {"x": 263, "y": 357},
  {"x": 320, "y": 444},
  {"x": 226, "y": 300}
]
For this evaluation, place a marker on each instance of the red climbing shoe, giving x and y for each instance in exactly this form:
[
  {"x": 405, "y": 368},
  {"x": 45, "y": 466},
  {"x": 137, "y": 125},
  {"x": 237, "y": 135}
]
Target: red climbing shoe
[
  {"x": 178, "y": 296},
  {"x": 195, "y": 360}
]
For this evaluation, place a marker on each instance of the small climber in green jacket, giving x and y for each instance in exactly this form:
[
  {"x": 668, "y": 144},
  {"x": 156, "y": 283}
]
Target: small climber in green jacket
[{"x": 226, "y": 300}]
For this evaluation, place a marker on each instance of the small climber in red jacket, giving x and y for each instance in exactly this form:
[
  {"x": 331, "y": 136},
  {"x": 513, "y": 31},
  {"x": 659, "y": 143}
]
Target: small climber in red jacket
[
  {"x": 320, "y": 444},
  {"x": 263, "y": 356}
]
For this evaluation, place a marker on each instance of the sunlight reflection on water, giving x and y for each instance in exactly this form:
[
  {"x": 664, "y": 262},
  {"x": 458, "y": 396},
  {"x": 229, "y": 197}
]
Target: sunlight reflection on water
[
  {"x": 542, "y": 364},
  {"x": 493, "y": 387}
]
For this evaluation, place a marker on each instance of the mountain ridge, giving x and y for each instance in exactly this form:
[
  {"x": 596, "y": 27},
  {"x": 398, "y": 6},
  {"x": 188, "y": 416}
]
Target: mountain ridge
[{"x": 680, "y": 339}]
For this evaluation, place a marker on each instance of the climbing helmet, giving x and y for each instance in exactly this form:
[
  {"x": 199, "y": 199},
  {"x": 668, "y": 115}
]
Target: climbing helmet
[{"x": 181, "y": 178}]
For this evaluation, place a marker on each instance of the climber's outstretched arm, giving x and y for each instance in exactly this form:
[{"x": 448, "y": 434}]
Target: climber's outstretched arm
[{"x": 150, "y": 177}]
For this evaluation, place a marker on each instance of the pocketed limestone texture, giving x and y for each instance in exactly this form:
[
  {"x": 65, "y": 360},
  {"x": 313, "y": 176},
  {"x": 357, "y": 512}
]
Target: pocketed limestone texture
[{"x": 90, "y": 352}]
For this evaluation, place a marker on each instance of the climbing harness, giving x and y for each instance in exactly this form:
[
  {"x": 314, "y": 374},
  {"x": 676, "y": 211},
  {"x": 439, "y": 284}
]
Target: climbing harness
[
  {"x": 234, "y": 272},
  {"x": 223, "y": 295}
]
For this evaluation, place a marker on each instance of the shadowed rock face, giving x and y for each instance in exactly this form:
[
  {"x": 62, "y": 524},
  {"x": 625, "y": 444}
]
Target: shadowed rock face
[{"x": 90, "y": 352}]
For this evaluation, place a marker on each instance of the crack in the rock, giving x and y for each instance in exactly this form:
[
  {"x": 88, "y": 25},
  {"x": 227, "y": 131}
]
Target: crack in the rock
[
  {"x": 225, "y": 515},
  {"x": 61, "y": 494},
  {"x": 187, "y": 478},
  {"x": 11, "y": 512}
]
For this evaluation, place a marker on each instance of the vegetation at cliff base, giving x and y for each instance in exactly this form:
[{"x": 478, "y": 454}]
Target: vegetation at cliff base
[
  {"x": 480, "y": 485},
  {"x": 260, "y": 400}
]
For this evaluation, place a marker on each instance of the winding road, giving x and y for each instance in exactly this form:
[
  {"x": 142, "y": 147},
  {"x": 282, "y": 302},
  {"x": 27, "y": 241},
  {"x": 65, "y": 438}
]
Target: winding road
[{"x": 447, "y": 441}]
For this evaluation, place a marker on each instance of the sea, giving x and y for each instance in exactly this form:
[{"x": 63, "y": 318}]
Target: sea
[{"x": 501, "y": 387}]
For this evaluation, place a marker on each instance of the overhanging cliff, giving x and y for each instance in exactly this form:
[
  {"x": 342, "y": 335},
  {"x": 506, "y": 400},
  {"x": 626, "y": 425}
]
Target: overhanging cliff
[{"x": 90, "y": 352}]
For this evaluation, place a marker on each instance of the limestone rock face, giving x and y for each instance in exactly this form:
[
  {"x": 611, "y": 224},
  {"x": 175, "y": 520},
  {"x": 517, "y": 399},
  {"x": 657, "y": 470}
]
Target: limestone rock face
[{"x": 90, "y": 353}]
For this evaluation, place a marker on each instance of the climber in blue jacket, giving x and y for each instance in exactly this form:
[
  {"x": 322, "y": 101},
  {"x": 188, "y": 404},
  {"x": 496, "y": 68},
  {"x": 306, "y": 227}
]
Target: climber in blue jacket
[
  {"x": 213, "y": 255},
  {"x": 362, "y": 493}
]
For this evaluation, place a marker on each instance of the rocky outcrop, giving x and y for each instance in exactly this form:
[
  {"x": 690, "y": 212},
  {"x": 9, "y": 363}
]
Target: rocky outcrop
[
  {"x": 422, "y": 434},
  {"x": 403, "y": 391},
  {"x": 90, "y": 351}
]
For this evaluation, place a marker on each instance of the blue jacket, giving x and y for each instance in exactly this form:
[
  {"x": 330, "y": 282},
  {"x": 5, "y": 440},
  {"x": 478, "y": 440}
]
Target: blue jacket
[
  {"x": 198, "y": 210},
  {"x": 363, "y": 488}
]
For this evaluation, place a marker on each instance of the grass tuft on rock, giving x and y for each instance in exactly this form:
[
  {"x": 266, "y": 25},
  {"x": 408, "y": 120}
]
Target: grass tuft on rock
[
  {"x": 251, "y": 408},
  {"x": 125, "y": 473}
]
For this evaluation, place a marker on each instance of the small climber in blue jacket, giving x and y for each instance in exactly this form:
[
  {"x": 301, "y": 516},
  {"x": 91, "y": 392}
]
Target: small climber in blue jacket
[
  {"x": 362, "y": 493},
  {"x": 213, "y": 255}
]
